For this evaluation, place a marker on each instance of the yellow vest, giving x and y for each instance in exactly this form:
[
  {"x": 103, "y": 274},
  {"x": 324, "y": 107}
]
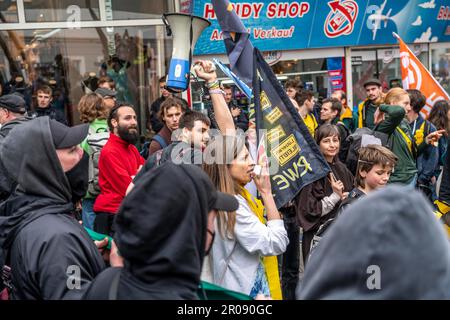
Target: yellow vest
[
  {"x": 311, "y": 123},
  {"x": 347, "y": 114}
]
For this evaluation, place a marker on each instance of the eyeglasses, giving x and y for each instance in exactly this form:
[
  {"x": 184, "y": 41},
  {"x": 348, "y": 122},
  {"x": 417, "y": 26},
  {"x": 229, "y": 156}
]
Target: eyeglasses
[{"x": 163, "y": 88}]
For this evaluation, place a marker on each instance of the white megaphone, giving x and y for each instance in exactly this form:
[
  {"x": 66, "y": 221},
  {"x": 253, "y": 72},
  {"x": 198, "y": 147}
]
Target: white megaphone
[{"x": 185, "y": 30}]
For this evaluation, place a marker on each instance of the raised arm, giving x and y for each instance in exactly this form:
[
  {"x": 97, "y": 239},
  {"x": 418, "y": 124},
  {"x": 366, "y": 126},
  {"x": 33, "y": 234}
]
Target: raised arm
[{"x": 222, "y": 113}]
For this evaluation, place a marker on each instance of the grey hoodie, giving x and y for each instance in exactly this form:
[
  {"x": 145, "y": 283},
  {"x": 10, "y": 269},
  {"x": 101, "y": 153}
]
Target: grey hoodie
[{"x": 388, "y": 245}]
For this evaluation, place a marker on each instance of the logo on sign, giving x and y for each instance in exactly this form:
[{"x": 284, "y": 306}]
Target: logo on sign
[
  {"x": 272, "y": 57},
  {"x": 341, "y": 20},
  {"x": 414, "y": 78}
]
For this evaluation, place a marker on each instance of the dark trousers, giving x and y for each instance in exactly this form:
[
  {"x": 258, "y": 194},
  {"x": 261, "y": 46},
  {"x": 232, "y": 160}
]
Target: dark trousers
[
  {"x": 104, "y": 223},
  {"x": 308, "y": 236},
  {"x": 291, "y": 257}
]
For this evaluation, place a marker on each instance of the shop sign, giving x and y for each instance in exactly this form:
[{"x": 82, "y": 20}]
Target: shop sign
[
  {"x": 356, "y": 61},
  {"x": 293, "y": 25}
]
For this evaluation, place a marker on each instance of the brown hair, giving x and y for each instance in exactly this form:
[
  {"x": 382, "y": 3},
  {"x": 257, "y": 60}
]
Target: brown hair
[
  {"x": 336, "y": 105},
  {"x": 169, "y": 103},
  {"x": 188, "y": 119},
  {"x": 91, "y": 108},
  {"x": 372, "y": 155},
  {"x": 303, "y": 95},
  {"x": 217, "y": 165},
  {"x": 326, "y": 130},
  {"x": 106, "y": 79},
  {"x": 45, "y": 89},
  {"x": 439, "y": 115},
  {"x": 394, "y": 95}
]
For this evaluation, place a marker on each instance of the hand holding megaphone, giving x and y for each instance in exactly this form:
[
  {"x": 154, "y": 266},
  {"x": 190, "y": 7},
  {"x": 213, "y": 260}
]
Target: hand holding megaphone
[{"x": 205, "y": 70}]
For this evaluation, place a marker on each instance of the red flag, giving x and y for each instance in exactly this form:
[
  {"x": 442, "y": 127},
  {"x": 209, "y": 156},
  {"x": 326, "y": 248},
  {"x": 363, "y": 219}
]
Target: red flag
[{"x": 416, "y": 76}]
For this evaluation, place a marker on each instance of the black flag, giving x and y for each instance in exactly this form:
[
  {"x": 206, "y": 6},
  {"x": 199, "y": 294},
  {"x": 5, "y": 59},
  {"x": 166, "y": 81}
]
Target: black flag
[
  {"x": 295, "y": 158},
  {"x": 236, "y": 39}
]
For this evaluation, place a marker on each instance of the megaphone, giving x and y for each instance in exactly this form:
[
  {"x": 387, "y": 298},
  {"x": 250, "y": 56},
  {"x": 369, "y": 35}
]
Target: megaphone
[{"x": 185, "y": 29}]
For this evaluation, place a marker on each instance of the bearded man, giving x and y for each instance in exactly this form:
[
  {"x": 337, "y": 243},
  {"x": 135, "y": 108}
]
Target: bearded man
[{"x": 118, "y": 164}]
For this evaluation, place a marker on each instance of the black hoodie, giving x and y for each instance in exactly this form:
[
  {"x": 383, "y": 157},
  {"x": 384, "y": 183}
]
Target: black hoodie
[
  {"x": 45, "y": 243},
  {"x": 388, "y": 245},
  {"x": 160, "y": 232},
  {"x": 7, "y": 185}
]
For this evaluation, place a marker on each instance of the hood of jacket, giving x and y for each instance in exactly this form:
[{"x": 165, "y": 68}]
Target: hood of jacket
[
  {"x": 161, "y": 227},
  {"x": 388, "y": 245},
  {"x": 36, "y": 169},
  {"x": 43, "y": 187}
]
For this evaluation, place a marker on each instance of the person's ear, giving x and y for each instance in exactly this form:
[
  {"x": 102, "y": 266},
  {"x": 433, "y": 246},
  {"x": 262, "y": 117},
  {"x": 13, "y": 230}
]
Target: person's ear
[
  {"x": 363, "y": 173},
  {"x": 114, "y": 123}
]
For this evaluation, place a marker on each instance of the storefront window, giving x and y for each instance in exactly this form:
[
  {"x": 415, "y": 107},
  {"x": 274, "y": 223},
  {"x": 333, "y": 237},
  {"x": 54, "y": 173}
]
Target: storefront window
[
  {"x": 383, "y": 64},
  {"x": 138, "y": 9},
  {"x": 440, "y": 59},
  {"x": 61, "y": 10},
  {"x": 311, "y": 72},
  {"x": 8, "y": 12},
  {"x": 134, "y": 57}
]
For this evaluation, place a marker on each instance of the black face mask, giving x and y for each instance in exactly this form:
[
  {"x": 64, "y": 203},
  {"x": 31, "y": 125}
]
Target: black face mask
[
  {"x": 213, "y": 235},
  {"x": 128, "y": 136},
  {"x": 78, "y": 178}
]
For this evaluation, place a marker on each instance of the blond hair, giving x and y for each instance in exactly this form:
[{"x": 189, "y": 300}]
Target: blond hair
[{"x": 394, "y": 95}]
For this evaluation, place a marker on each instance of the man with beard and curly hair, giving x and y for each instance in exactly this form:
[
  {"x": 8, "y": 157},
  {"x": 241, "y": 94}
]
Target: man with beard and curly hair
[{"x": 118, "y": 164}]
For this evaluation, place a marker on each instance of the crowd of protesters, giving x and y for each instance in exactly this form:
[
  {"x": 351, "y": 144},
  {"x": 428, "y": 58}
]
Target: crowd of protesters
[{"x": 189, "y": 210}]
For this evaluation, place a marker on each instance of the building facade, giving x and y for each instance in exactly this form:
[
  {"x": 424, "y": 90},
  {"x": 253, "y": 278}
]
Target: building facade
[{"x": 338, "y": 44}]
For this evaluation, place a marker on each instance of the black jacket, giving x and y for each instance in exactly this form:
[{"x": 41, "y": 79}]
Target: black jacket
[
  {"x": 387, "y": 245},
  {"x": 161, "y": 236},
  {"x": 46, "y": 245},
  {"x": 7, "y": 184},
  {"x": 51, "y": 112}
]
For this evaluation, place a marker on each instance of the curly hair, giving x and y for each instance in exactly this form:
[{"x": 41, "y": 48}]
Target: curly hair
[{"x": 91, "y": 108}]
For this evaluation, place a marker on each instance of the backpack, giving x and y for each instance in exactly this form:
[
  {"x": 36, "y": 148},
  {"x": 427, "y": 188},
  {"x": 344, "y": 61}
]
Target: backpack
[
  {"x": 344, "y": 132},
  {"x": 350, "y": 148},
  {"x": 146, "y": 147},
  {"x": 96, "y": 141}
]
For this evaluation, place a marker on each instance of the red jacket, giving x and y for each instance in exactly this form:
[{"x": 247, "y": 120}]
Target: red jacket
[{"x": 118, "y": 162}]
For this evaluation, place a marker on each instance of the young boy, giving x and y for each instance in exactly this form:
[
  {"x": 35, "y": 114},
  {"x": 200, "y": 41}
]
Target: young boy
[{"x": 375, "y": 165}]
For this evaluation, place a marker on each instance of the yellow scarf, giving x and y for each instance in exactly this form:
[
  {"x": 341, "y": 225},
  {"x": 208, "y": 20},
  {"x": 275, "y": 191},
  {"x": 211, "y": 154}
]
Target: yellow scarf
[
  {"x": 270, "y": 263},
  {"x": 406, "y": 138}
]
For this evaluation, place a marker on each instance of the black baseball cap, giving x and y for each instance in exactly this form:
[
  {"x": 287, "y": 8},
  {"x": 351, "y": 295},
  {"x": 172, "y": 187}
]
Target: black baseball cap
[
  {"x": 66, "y": 137},
  {"x": 372, "y": 81},
  {"x": 13, "y": 102},
  {"x": 105, "y": 92}
]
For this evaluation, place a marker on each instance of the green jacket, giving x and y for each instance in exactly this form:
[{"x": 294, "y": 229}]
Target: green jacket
[{"x": 396, "y": 126}]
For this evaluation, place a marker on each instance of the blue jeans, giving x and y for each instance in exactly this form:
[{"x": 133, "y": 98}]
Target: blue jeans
[{"x": 88, "y": 214}]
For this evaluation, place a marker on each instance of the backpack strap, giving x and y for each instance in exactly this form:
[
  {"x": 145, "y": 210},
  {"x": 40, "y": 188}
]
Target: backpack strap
[{"x": 160, "y": 140}]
